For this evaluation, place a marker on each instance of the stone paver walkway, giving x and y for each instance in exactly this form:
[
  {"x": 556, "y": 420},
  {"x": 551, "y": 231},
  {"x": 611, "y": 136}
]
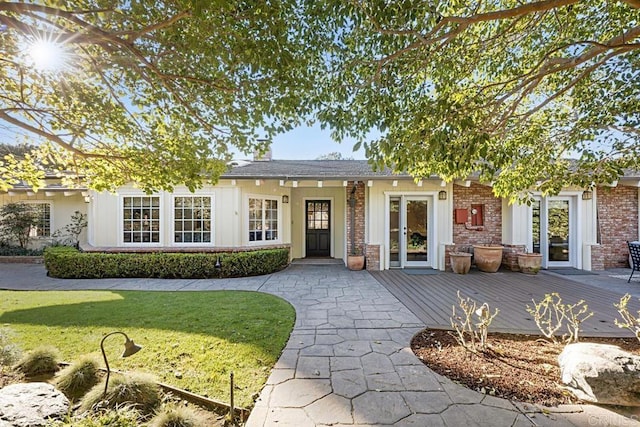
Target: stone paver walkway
[{"x": 348, "y": 360}]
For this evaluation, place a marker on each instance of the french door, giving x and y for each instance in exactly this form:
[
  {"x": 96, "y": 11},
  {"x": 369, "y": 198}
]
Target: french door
[
  {"x": 554, "y": 231},
  {"x": 409, "y": 232}
]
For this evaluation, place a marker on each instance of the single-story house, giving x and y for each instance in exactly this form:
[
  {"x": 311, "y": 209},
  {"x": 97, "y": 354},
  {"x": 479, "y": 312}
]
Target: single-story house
[{"x": 327, "y": 208}]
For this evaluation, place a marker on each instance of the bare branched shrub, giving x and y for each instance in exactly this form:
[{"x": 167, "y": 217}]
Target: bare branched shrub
[
  {"x": 575, "y": 319},
  {"x": 470, "y": 334},
  {"x": 551, "y": 314},
  {"x": 629, "y": 321}
]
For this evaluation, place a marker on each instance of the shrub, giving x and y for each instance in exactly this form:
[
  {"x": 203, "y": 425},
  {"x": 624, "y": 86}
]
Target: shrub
[
  {"x": 70, "y": 233},
  {"x": 42, "y": 360},
  {"x": 9, "y": 352},
  {"x": 78, "y": 378},
  {"x": 177, "y": 416},
  {"x": 6, "y": 250},
  {"x": 140, "y": 391},
  {"x": 68, "y": 263},
  {"x": 551, "y": 313},
  {"x": 468, "y": 333},
  {"x": 16, "y": 221},
  {"x": 629, "y": 321},
  {"x": 121, "y": 417}
]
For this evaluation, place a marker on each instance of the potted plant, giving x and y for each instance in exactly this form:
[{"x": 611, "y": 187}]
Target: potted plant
[
  {"x": 460, "y": 262},
  {"x": 529, "y": 263},
  {"x": 487, "y": 258},
  {"x": 355, "y": 260}
]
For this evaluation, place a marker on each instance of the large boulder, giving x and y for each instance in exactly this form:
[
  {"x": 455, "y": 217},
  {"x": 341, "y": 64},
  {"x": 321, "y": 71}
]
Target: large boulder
[
  {"x": 601, "y": 373},
  {"x": 31, "y": 404}
]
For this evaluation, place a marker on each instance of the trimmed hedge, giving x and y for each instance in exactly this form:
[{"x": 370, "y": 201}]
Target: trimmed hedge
[{"x": 68, "y": 263}]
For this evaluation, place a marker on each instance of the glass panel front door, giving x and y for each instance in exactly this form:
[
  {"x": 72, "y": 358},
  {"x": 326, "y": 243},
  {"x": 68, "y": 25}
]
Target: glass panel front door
[
  {"x": 416, "y": 241},
  {"x": 558, "y": 230},
  {"x": 394, "y": 232},
  {"x": 552, "y": 230},
  {"x": 408, "y": 232}
]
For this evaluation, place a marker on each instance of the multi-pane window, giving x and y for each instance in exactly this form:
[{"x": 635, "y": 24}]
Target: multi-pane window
[
  {"x": 192, "y": 219},
  {"x": 263, "y": 219},
  {"x": 141, "y": 219},
  {"x": 42, "y": 226}
]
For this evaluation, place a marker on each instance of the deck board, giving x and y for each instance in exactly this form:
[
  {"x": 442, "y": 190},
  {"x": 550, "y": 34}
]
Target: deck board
[{"x": 431, "y": 298}]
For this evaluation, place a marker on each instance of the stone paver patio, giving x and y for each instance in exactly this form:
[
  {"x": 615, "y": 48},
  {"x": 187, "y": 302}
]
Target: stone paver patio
[{"x": 348, "y": 360}]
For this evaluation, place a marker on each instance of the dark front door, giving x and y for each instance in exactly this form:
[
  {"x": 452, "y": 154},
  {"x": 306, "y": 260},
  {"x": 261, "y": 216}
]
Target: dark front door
[{"x": 318, "y": 235}]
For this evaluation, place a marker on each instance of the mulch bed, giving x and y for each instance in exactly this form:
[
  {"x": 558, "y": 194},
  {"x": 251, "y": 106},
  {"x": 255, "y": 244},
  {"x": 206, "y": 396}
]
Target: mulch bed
[{"x": 516, "y": 367}]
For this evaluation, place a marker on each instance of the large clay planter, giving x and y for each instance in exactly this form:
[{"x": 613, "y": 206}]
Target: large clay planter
[
  {"x": 355, "y": 262},
  {"x": 530, "y": 263},
  {"x": 460, "y": 262},
  {"x": 487, "y": 258}
]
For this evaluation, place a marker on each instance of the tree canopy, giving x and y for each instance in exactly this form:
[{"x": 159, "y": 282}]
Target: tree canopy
[
  {"x": 504, "y": 88},
  {"x": 153, "y": 92},
  {"x": 157, "y": 92}
]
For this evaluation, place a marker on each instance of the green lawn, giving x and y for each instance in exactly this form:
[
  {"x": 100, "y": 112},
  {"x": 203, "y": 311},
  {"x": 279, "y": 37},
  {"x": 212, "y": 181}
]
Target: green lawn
[{"x": 202, "y": 335}]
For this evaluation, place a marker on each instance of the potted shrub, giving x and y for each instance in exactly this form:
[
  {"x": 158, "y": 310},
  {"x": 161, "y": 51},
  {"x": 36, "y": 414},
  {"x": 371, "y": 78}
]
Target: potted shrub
[
  {"x": 355, "y": 260},
  {"x": 460, "y": 262},
  {"x": 487, "y": 258},
  {"x": 529, "y": 263}
]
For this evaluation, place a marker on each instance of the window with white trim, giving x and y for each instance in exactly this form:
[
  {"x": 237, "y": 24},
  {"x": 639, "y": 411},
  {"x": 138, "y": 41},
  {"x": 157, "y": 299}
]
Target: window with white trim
[
  {"x": 263, "y": 219},
  {"x": 192, "y": 219},
  {"x": 141, "y": 219},
  {"x": 42, "y": 226}
]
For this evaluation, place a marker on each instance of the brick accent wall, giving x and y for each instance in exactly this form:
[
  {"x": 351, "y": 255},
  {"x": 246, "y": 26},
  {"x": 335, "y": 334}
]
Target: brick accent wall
[
  {"x": 373, "y": 257},
  {"x": 491, "y": 232},
  {"x": 359, "y": 217},
  {"x": 618, "y": 219},
  {"x": 597, "y": 257}
]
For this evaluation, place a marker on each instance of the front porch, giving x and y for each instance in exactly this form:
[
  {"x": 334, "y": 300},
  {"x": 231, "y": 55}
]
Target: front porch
[{"x": 431, "y": 295}]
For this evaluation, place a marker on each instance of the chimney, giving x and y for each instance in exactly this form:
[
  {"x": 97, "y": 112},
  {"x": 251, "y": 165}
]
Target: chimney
[{"x": 265, "y": 156}]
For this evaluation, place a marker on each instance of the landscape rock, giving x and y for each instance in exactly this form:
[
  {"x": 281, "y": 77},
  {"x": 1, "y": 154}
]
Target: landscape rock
[
  {"x": 31, "y": 404},
  {"x": 601, "y": 373}
]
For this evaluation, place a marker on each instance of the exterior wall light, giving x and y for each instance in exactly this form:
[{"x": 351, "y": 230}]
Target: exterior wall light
[
  {"x": 442, "y": 195},
  {"x": 285, "y": 199},
  {"x": 587, "y": 195}
]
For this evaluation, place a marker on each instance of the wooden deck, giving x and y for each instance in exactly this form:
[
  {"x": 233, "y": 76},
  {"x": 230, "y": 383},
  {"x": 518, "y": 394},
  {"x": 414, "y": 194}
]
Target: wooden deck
[{"x": 431, "y": 298}]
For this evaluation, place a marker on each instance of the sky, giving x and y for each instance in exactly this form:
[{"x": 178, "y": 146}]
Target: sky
[
  {"x": 308, "y": 143},
  {"x": 302, "y": 143}
]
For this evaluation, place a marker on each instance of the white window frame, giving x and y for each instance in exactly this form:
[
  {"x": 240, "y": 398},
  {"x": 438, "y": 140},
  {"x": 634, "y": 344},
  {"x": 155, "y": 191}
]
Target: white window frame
[
  {"x": 121, "y": 220},
  {"x": 246, "y": 231},
  {"x": 211, "y": 219},
  {"x": 51, "y": 230}
]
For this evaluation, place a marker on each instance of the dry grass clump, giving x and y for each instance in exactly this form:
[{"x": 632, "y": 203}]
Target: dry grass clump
[
  {"x": 139, "y": 391},
  {"x": 42, "y": 360},
  {"x": 120, "y": 417},
  {"x": 177, "y": 416},
  {"x": 78, "y": 378}
]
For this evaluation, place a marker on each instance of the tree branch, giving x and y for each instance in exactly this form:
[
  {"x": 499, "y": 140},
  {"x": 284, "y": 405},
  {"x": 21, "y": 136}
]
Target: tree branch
[{"x": 54, "y": 138}]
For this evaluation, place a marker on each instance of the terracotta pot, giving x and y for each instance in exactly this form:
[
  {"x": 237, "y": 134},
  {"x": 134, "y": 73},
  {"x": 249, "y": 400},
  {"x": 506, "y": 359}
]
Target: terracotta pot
[
  {"x": 530, "y": 263},
  {"x": 460, "y": 262},
  {"x": 487, "y": 258},
  {"x": 355, "y": 262}
]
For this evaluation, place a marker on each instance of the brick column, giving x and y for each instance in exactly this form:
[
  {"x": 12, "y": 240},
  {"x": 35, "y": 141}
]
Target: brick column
[
  {"x": 359, "y": 216},
  {"x": 618, "y": 218}
]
